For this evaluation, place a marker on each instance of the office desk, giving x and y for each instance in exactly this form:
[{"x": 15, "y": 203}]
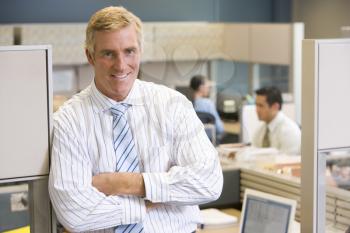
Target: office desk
[
  {"x": 235, "y": 228},
  {"x": 254, "y": 176},
  {"x": 232, "y": 229},
  {"x": 232, "y": 127}
]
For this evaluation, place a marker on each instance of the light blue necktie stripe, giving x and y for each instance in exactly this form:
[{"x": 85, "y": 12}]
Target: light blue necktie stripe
[
  {"x": 120, "y": 137},
  {"x": 115, "y": 122},
  {"x": 121, "y": 161},
  {"x": 121, "y": 150},
  {"x": 127, "y": 160}
]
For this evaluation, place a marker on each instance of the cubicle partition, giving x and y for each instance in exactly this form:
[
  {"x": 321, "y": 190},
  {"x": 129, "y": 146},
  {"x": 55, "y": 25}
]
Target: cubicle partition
[
  {"x": 176, "y": 49},
  {"x": 7, "y": 35},
  {"x": 337, "y": 203},
  {"x": 326, "y": 125},
  {"x": 25, "y": 123}
]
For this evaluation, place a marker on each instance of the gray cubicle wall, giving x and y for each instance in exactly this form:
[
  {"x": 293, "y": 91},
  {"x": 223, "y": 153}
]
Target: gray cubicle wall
[
  {"x": 230, "y": 195},
  {"x": 6, "y": 35},
  {"x": 325, "y": 119},
  {"x": 25, "y": 103}
]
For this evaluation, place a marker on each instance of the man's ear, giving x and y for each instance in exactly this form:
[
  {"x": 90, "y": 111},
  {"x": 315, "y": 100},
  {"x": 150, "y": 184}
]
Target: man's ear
[
  {"x": 276, "y": 106},
  {"x": 89, "y": 57}
]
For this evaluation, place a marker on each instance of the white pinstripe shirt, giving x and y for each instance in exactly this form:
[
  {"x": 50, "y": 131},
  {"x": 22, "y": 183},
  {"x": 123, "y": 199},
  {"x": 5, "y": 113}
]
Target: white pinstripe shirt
[{"x": 179, "y": 164}]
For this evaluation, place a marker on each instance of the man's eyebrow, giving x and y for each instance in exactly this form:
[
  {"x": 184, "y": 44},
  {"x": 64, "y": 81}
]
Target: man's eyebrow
[
  {"x": 106, "y": 50},
  {"x": 131, "y": 48}
]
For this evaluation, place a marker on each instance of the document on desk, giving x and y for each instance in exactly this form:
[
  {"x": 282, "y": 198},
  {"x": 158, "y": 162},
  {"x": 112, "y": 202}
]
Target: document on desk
[{"x": 214, "y": 218}]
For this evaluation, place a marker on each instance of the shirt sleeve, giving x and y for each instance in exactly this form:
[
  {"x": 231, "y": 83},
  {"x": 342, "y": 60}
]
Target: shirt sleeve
[
  {"x": 196, "y": 176},
  {"x": 290, "y": 139},
  {"x": 78, "y": 205}
]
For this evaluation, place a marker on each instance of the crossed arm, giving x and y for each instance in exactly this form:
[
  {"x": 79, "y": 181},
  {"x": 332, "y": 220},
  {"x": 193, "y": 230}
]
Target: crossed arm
[
  {"x": 120, "y": 183},
  {"x": 194, "y": 178}
]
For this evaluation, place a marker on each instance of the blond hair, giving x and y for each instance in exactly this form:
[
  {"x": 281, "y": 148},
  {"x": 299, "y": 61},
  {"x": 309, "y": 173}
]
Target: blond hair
[{"x": 110, "y": 19}]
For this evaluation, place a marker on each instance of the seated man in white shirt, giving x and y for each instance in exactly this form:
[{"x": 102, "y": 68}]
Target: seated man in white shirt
[{"x": 279, "y": 131}]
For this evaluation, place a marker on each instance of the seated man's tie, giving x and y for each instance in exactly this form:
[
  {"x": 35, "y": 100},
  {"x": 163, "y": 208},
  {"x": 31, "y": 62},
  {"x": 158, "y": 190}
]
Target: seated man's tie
[{"x": 266, "y": 139}]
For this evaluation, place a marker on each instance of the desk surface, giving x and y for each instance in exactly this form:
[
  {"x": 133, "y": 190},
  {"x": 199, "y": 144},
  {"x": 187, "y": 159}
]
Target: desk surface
[
  {"x": 233, "y": 229},
  {"x": 232, "y": 127}
]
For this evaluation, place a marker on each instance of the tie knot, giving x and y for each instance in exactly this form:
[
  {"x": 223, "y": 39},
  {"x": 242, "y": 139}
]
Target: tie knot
[{"x": 119, "y": 109}]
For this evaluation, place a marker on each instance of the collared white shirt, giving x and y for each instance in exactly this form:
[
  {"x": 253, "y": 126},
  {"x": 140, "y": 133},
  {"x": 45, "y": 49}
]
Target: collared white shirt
[
  {"x": 284, "y": 135},
  {"x": 180, "y": 166}
]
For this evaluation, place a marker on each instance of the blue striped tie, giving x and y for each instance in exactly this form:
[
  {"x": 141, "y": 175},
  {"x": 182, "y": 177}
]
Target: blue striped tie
[{"x": 124, "y": 147}]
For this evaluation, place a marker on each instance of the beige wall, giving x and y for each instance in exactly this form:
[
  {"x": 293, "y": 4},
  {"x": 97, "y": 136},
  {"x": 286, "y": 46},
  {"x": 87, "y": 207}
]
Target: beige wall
[{"x": 322, "y": 18}]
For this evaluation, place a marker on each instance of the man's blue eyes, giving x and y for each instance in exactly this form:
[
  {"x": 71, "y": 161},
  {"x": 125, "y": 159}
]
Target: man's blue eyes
[
  {"x": 130, "y": 51},
  {"x": 111, "y": 54}
]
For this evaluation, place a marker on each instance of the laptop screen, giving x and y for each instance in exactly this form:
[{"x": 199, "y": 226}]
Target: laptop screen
[{"x": 265, "y": 216}]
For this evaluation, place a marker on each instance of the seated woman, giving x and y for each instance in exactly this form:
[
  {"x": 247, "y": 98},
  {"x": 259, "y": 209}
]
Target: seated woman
[{"x": 201, "y": 103}]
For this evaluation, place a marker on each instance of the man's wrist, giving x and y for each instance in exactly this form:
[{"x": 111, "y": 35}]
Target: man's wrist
[
  {"x": 127, "y": 183},
  {"x": 141, "y": 185}
]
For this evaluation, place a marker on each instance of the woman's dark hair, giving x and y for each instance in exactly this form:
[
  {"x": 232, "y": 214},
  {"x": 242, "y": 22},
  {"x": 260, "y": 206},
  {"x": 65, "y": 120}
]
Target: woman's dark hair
[{"x": 196, "y": 82}]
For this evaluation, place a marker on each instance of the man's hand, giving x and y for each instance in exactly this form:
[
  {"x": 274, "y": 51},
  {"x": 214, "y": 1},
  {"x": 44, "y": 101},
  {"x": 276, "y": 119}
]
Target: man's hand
[
  {"x": 120, "y": 183},
  {"x": 151, "y": 205}
]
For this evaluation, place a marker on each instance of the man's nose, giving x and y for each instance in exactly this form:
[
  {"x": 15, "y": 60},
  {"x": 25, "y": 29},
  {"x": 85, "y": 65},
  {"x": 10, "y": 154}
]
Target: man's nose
[{"x": 119, "y": 63}]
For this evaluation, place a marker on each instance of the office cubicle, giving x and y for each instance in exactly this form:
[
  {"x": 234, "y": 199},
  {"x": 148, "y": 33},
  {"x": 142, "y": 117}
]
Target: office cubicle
[
  {"x": 7, "y": 35},
  {"x": 326, "y": 127},
  {"x": 25, "y": 122}
]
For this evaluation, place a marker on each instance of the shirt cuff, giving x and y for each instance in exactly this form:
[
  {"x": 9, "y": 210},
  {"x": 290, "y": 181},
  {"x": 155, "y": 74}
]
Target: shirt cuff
[
  {"x": 134, "y": 209},
  {"x": 156, "y": 186}
]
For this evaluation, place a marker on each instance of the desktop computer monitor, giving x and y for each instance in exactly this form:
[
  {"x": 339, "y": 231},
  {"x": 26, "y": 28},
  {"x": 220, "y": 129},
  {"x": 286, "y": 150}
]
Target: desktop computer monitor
[{"x": 266, "y": 213}]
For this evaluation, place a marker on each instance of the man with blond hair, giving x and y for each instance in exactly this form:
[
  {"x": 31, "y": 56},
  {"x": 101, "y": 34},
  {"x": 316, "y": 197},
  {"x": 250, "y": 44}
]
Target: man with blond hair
[{"x": 128, "y": 155}]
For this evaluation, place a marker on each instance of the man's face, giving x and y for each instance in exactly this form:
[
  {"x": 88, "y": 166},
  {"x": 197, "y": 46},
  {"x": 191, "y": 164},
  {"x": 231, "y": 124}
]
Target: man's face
[
  {"x": 205, "y": 89},
  {"x": 265, "y": 112},
  {"x": 116, "y": 61}
]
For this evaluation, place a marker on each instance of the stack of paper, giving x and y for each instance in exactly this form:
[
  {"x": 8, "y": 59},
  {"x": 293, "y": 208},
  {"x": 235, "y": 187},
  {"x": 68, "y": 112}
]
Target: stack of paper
[{"x": 214, "y": 218}]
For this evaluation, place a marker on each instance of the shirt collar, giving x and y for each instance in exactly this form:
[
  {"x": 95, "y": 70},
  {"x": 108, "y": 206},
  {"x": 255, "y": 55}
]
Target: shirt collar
[
  {"x": 275, "y": 121},
  {"x": 103, "y": 103}
]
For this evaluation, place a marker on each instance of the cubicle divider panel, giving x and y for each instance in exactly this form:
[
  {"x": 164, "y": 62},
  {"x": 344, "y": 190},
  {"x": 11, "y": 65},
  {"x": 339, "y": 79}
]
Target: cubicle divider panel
[
  {"x": 326, "y": 126},
  {"x": 67, "y": 40},
  {"x": 25, "y": 102},
  {"x": 334, "y": 95},
  {"x": 6, "y": 35}
]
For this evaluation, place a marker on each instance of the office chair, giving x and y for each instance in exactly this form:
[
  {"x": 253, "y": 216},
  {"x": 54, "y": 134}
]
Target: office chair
[
  {"x": 206, "y": 118},
  {"x": 208, "y": 121}
]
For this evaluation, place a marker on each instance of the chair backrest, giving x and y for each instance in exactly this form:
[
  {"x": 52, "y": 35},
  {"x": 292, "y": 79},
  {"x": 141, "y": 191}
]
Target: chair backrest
[
  {"x": 210, "y": 130},
  {"x": 206, "y": 117},
  {"x": 208, "y": 121}
]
